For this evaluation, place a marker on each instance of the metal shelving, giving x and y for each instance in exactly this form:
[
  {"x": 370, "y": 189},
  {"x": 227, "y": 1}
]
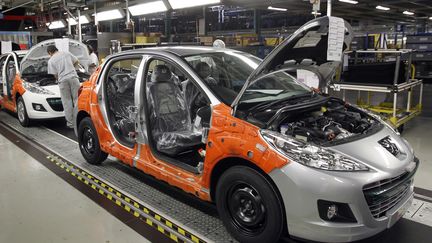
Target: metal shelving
[{"x": 395, "y": 115}]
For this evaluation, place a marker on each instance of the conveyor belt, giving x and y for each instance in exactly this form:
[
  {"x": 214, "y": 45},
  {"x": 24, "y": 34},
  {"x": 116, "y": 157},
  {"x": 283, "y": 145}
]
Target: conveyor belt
[
  {"x": 178, "y": 215},
  {"x": 199, "y": 220}
]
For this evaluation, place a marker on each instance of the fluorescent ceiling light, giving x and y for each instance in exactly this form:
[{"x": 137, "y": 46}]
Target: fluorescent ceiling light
[
  {"x": 56, "y": 25},
  {"x": 177, "y": 4},
  {"x": 84, "y": 19},
  {"x": 316, "y": 13},
  {"x": 277, "y": 9},
  {"x": 382, "y": 8},
  {"x": 349, "y": 1},
  {"x": 430, "y": 18},
  {"x": 110, "y": 15},
  {"x": 148, "y": 8},
  {"x": 408, "y": 13},
  {"x": 86, "y": 8}
]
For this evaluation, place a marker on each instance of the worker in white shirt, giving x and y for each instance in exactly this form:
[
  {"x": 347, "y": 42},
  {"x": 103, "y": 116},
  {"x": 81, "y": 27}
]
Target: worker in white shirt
[
  {"x": 94, "y": 61},
  {"x": 62, "y": 66}
]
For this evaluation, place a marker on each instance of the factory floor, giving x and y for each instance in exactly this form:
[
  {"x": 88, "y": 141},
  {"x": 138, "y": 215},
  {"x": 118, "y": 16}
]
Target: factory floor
[{"x": 37, "y": 205}]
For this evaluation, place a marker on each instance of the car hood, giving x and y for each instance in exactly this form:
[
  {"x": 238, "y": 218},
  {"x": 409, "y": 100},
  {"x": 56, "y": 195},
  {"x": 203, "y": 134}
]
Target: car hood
[
  {"x": 38, "y": 53},
  {"x": 371, "y": 151},
  {"x": 54, "y": 89},
  {"x": 320, "y": 43}
]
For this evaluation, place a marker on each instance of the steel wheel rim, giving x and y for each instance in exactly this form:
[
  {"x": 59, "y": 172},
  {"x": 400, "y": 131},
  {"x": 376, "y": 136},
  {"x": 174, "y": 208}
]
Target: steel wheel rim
[
  {"x": 88, "y": 141},
  {"x": 247, "y": 209},
  {"x": 21, "y": 111}
]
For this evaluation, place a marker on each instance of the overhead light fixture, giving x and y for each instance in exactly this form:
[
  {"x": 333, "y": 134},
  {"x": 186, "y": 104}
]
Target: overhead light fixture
[
  {"x": 277, "y": 9},
  {"x": 86, "y": 8},
  {"x": 110, "y": 15},
  {"x": 382, "y": 8},
  {"x": 84, "y": 19},
  {"x": 178, "y": 4},
  {"x": 349, "y": 1},
  {"x": 316, "y": 13},
  {"x": 430, "y": 18},
  {"x": 65, "y": 13},
  {"x": 148, "y": 8},
  {"x": 408, "y": 13},
  {"x": 56, "y": 24}
]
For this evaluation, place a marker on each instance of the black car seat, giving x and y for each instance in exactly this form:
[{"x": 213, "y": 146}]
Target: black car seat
[
  {"x": 120, "y": 93},
  {"x": 170, "y": 119}
]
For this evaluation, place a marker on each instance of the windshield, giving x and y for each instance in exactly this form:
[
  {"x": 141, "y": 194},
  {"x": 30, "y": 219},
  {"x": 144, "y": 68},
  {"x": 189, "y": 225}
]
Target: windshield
[
  {"x": 224, "y": 72},
  {"x": 274, "y": 86}
]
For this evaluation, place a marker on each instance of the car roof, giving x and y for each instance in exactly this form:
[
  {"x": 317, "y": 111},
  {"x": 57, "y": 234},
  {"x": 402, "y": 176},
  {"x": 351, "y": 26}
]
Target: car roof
[{"x": 180, "y": 50}]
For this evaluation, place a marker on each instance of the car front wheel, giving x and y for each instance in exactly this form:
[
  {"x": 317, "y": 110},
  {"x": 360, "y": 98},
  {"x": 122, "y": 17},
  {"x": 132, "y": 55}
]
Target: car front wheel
[
  {"x": 22, "y": 113},
  {"x": 249, "y": 206},
  {"x": 89, "y": 142}
]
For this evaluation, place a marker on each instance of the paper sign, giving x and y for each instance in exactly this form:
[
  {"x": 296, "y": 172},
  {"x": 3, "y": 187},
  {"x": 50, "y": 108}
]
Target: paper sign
[
  {"x": 308, "y": 78},
  {"x": 335, "y": 39},
  {"x": 62, "y": 44},
  {"x": 6, "y": 46}
]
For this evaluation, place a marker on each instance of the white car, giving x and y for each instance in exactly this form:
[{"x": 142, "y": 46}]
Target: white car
[{"x": 28, "y": 89}]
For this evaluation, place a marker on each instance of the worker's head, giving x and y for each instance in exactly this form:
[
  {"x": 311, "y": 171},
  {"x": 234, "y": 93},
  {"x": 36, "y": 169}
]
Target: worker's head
[
  {"x": 52, "y": 49},
  {"x": 90, "y": 49}
]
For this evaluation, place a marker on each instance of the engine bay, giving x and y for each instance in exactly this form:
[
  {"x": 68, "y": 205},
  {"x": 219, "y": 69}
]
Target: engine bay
[
  {"x": 45, "y": 79},
  {"x": 330, "y": 122}
]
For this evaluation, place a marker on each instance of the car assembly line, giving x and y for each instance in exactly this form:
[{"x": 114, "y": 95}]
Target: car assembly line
[{"x": 215, "y": 121}]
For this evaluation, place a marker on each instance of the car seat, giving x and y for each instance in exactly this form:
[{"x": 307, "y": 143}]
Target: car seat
[{"x": 169, "y": 117}]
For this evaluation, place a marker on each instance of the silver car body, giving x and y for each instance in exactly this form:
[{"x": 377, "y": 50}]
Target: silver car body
[{"x": 301, "y": 186}]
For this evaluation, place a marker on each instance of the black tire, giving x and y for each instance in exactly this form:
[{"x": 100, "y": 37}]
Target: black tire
[
  {"x": 22, "y": 113},
  {"x": 249, "y": 206},
  {"x": 89, "y": 142}
]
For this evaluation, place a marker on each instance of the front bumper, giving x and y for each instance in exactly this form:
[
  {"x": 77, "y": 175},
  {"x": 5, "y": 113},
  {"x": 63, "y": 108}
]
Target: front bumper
[
  {"x": 301, "y": 187},
  {"x": 30, "y": 98}
]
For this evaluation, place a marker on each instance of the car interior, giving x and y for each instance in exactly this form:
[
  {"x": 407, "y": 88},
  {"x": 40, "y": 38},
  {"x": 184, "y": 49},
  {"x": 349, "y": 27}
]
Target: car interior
[
  {"x": 120, "y": 95},
  {"x": 172, "y": 102}
]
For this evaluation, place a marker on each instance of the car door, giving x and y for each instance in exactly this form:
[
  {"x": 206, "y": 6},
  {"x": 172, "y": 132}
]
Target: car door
[
  {"x": 116, "y": 98},
  {"x": 2, "y": 78},
  {"x": 10, "y": 69}
]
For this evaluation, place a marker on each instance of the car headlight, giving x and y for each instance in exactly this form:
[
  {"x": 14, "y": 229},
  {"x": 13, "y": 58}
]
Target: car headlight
[
  {"x": 36, "y": 89},
  {"x": 311, "y": 155}
]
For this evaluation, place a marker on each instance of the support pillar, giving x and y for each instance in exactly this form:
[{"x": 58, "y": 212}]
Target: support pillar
[
  {"x": 257, "y": 23},
  {"x": 168, "y": 25}
]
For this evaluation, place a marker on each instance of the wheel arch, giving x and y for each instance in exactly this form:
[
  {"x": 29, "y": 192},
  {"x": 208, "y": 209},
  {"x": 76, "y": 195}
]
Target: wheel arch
[
  {"x": 229, "y": 162},
  {"x": 80, "y": 116}
]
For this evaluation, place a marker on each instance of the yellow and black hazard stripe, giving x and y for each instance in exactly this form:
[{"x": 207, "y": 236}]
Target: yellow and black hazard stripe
[{"x": 153, "y": 219}]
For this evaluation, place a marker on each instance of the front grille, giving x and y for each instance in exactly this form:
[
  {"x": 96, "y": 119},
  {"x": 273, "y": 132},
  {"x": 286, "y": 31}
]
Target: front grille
[
  {"x": 383, "y": 195},
  {"x": 55, "y": 104}
]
